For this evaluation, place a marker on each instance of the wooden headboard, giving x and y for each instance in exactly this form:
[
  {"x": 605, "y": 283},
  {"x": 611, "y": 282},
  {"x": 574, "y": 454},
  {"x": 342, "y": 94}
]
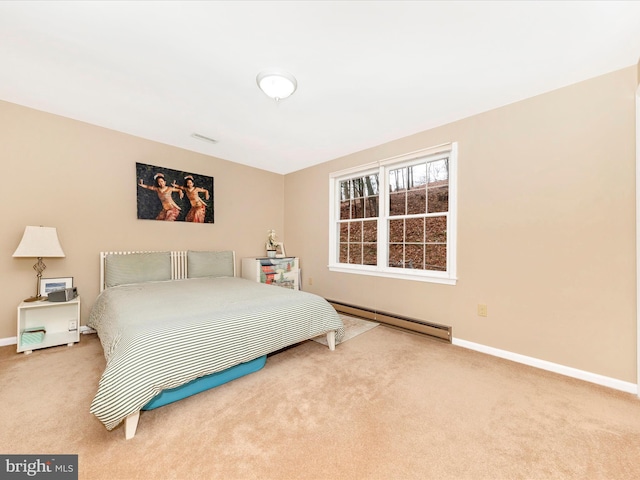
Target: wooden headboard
[{"x": 178, "y": 264}]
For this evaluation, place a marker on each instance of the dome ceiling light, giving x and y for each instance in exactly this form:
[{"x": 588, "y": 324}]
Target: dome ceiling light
[{"x": 277, "y": 84}]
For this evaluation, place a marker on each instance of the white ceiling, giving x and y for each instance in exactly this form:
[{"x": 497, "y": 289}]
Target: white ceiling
[{"x": 368, "y": 71}]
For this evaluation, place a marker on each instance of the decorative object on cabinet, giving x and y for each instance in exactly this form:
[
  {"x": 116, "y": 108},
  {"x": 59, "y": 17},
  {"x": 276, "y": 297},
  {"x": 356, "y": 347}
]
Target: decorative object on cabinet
[
  {"x": 48, "y": 285},
  {"x": 39, "y": 242},
  {"x": 283, "y": 272},
  {"x": 272, "y": 245},
  {"x": 44, "y": 324},
  {"x": 173, "y": 195}
]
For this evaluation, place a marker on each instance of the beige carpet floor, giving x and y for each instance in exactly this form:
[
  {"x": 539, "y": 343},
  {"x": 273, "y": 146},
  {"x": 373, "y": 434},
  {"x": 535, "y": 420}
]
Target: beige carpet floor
[{"x": 386, "y": 404}]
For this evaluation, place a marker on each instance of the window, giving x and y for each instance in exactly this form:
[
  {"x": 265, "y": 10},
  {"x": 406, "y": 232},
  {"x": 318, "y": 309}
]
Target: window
[{"x": 397, "y": 218}]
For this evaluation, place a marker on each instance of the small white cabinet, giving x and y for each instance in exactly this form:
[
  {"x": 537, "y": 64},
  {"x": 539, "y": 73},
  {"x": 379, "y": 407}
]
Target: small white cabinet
[
  {"x": 283, "y": 272},
  {"x": 48, "y": 324}
]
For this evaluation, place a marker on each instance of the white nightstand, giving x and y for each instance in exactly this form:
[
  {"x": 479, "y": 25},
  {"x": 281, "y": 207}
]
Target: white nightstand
[{"x": 59, "y": 320}]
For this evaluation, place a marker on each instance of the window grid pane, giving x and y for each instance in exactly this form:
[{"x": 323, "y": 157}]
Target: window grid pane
[
  {"x": 344, "y": 232},
  {"x": 355, "y": 253},
  {"x": 370, "y": 231},
  {"x": 396, "y": 255},
  {"x": 414, "y": 230},
  {"x": 438, "y": 199},
  {"x": 396, "y": 231},
  {"x": 414, "y": 256},
  {"x": 436, "y": 229},
  {"x": 398, "y": 203},
  {"x": 371, "y": 207},
  {"x": 355, "y": 232},
  {"x": 344, "y": 253},
  {"x": 417, "y": 189},
  {"x": 370, "y": 254},
  {"x": 436, "y": 257}
]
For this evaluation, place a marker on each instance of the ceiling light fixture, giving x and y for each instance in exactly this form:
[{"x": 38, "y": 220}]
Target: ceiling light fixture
[{"x": 277, "y": 84}]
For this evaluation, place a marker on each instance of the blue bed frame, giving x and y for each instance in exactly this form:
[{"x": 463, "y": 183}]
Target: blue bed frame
[{"x": 205, "y": 383}]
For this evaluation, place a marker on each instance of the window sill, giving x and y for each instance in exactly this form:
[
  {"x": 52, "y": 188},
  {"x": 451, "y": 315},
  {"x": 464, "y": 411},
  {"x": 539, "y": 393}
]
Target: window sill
[{"x": 413, "y": 275}]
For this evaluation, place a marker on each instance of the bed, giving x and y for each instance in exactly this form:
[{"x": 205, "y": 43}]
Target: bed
[{"x": 173, "y": 324}]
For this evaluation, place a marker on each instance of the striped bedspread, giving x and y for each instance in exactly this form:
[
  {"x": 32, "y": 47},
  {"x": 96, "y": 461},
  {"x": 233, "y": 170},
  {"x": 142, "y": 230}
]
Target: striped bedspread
[{"x": 160, "y": 335}]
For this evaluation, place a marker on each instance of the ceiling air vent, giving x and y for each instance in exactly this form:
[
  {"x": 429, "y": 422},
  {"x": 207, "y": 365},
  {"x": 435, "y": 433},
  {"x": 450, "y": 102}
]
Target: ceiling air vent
[{"x": 203, "y": 138}]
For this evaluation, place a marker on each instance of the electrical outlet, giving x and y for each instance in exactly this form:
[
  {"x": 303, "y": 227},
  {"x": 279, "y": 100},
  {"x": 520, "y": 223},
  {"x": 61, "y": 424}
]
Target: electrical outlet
[
  {"x": 310, "y": 281},
  {"x": 73, "y": 325},
  {"x": 482, "y": 310}
]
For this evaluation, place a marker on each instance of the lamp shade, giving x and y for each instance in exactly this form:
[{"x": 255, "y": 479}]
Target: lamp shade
[{"x": 39, "y": 242}]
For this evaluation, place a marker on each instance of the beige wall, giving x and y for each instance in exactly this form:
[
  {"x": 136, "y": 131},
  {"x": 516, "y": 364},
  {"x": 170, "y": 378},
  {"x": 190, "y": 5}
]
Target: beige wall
[
  {"x": 545, "y": 230},
  {"x": 81, "y": 179}
]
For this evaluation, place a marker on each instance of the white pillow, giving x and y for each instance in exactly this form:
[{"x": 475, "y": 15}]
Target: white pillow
[
  {"x": 137, "y": 268},
  {"x": 209, "y": 264}
]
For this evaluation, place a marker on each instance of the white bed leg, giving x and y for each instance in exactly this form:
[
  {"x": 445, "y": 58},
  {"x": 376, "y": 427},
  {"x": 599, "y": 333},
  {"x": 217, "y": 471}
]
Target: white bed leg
[
  {"x": 130, "y": 425},
  {"x": 331, "y": 339}
]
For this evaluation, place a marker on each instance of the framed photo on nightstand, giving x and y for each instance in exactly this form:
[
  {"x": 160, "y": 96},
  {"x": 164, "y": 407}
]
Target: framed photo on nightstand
[{"x": 48, "y": 285}]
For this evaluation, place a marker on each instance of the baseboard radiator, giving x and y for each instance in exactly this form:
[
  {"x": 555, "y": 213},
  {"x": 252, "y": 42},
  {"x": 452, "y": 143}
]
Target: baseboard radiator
[{"x": 441, "y": 332}]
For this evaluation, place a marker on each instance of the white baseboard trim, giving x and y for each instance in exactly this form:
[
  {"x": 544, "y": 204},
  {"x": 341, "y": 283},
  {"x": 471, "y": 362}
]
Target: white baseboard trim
[
  {"x": 4, "y": 342},
  {"x": 550, "y": 366}
]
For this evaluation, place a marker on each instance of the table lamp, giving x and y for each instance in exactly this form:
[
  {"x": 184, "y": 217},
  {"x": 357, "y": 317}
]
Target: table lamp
[{"x": 39, "y": 242}]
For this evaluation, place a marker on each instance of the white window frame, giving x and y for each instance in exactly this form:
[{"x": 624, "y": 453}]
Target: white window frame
[{"x": 382, "y": 167}]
